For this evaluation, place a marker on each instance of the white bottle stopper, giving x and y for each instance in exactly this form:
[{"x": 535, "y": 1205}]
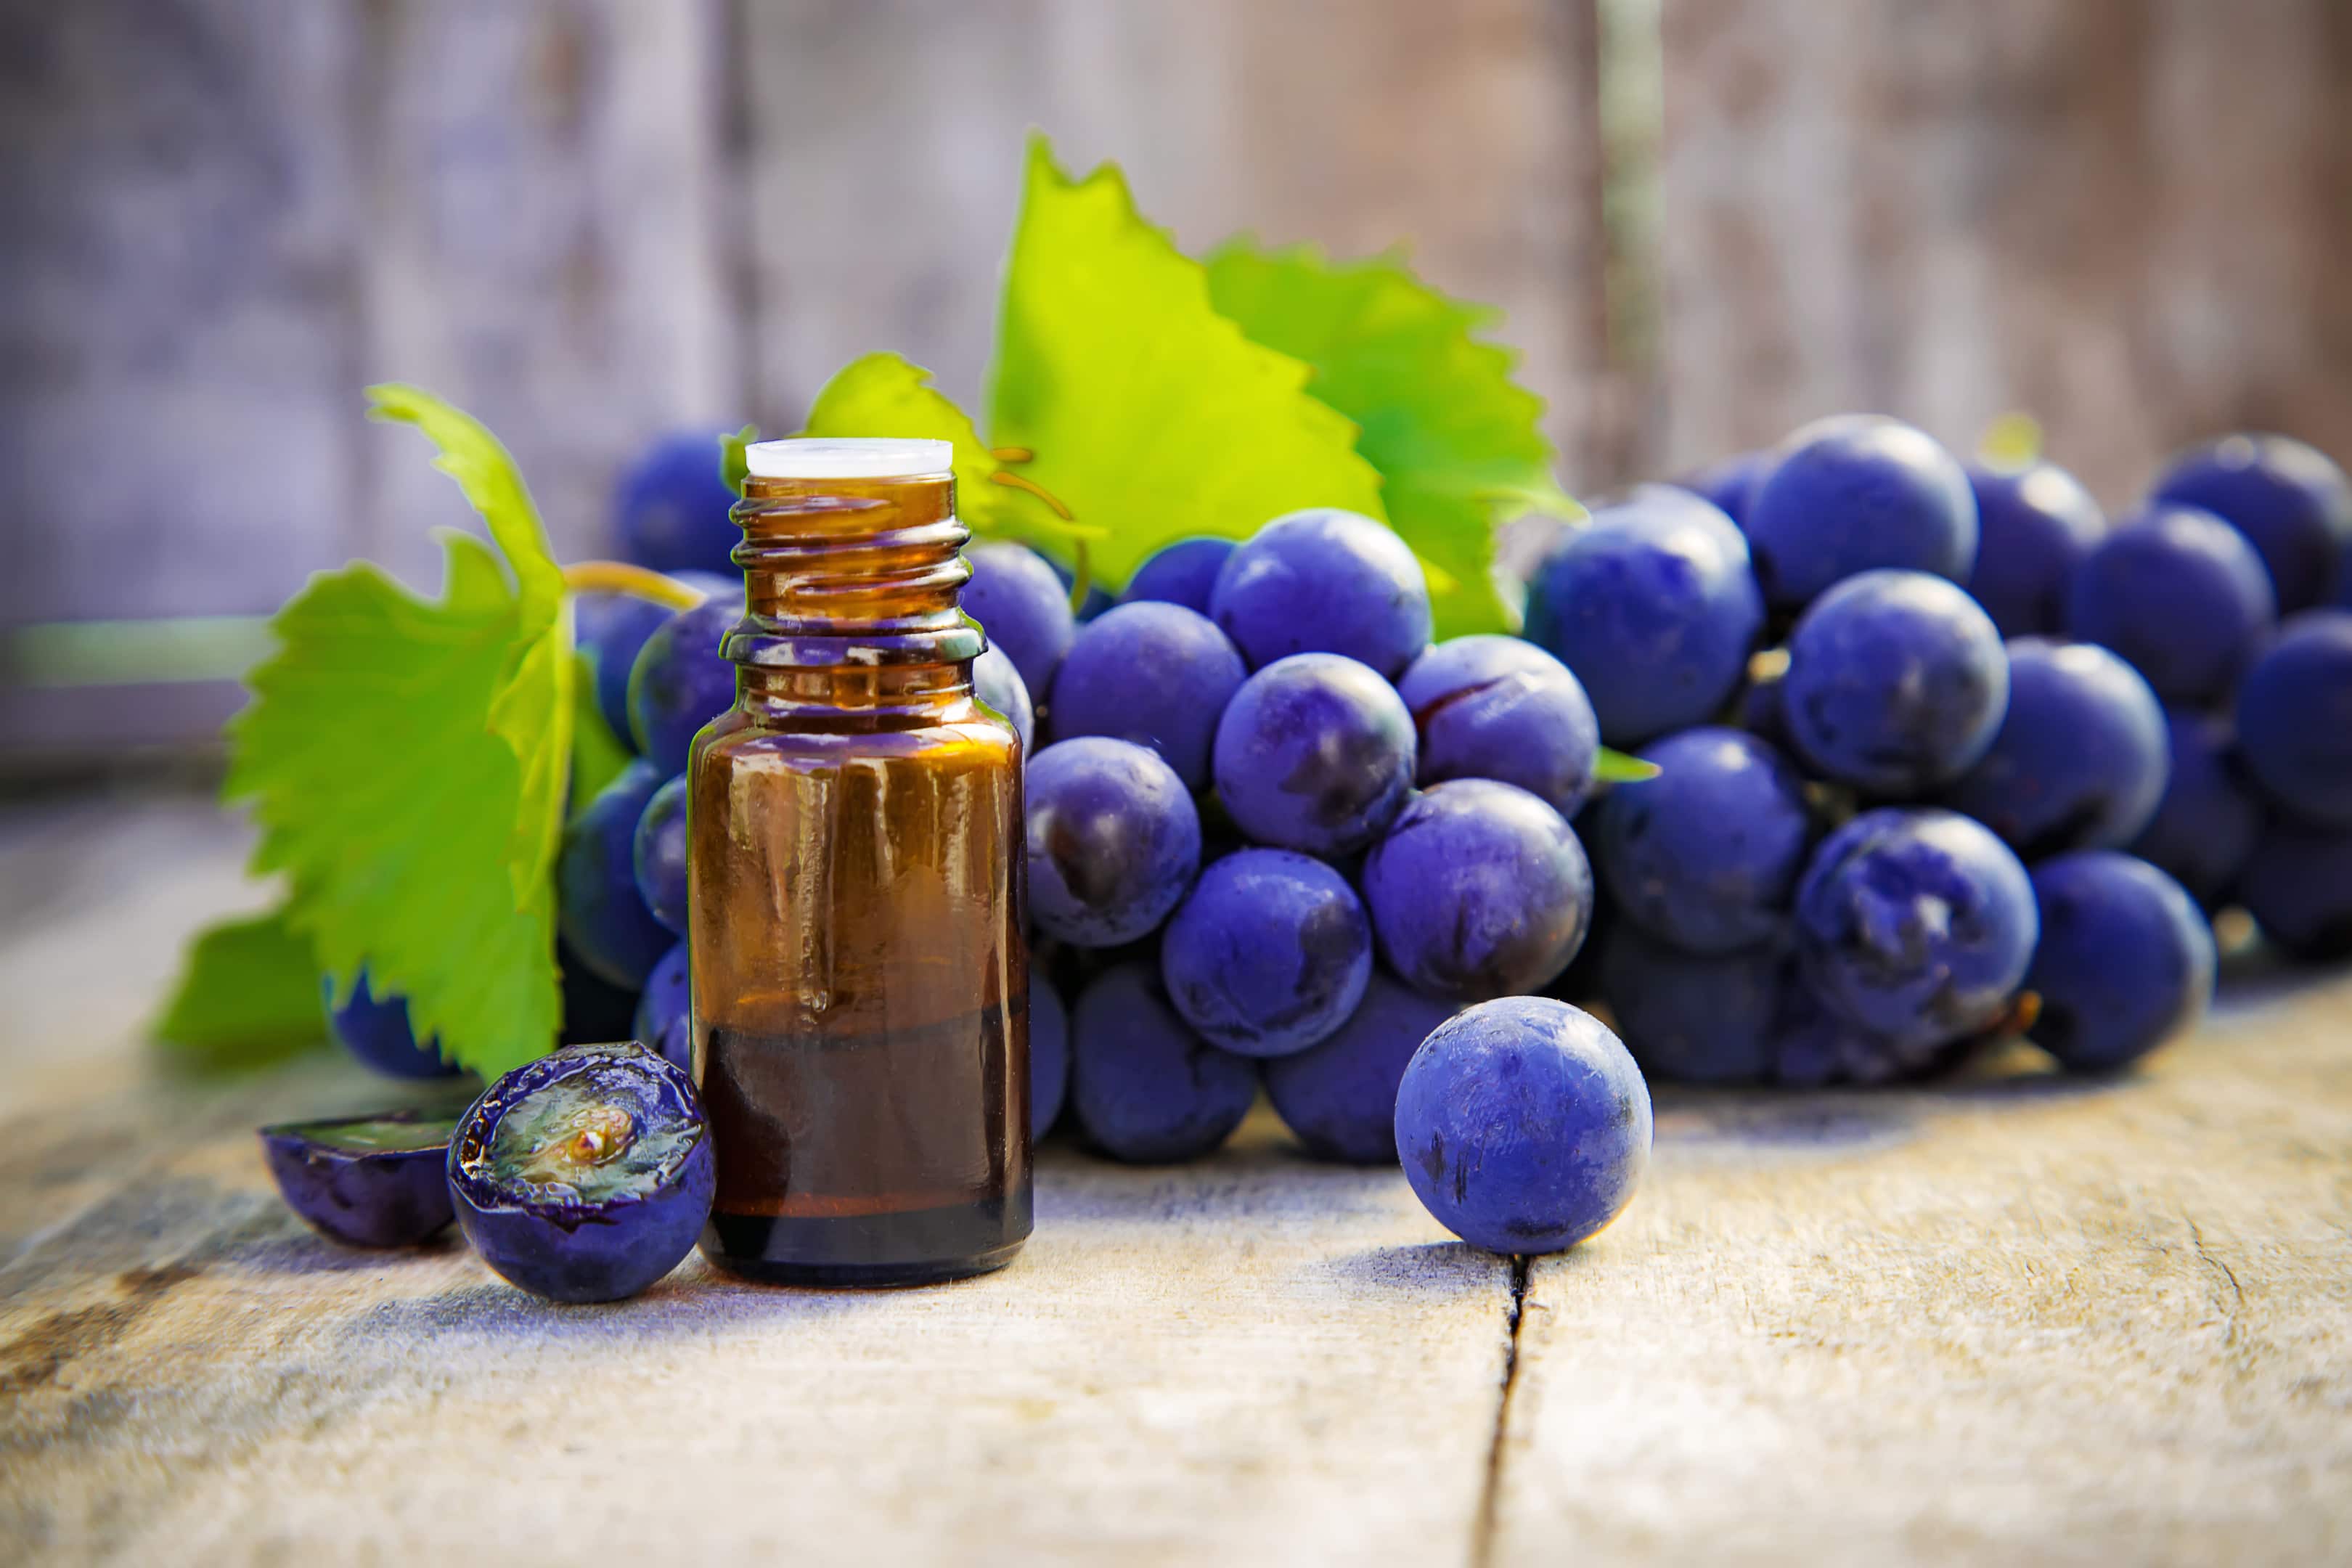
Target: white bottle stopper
[{"x": 847, "y": 457}]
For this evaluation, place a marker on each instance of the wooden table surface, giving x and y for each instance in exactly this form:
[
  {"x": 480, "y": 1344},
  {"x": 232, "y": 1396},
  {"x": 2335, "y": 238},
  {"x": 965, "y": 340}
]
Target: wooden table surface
[{"x": 2015, "y": 1318}]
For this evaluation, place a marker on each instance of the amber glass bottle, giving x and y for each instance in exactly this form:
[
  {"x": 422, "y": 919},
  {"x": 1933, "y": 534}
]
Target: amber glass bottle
[{"x": 860, "y": 984}]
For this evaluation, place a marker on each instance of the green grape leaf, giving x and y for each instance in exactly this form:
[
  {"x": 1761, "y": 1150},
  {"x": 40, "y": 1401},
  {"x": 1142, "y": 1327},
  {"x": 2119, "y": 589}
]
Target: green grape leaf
[
  {"x": 733, "y": 467},
  {"x": 1459, "y": 444},
  {"x": 597, "y": 755},
  {"x": 406, "y": 760},
  {"x": 1616, "y": 767},
  {"x": 1148, "y": 415},
  {"x": 248, "y": 996}
]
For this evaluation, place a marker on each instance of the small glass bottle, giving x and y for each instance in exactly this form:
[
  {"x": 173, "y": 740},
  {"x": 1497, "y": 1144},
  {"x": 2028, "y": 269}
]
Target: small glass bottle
[{"x": 860, "y": 981}]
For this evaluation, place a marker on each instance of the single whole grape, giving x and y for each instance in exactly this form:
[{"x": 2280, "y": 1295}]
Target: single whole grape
[
  {"x": 682, "y": 681},
  {"x": 1144, "y": 1087},
  {"x": 2295, "y": 718},
  {"x": 1705, "y": 854},
  {"x": 671, "y": 508},
  {"x": 1158, "y": 675},
  {"x": 1340, "y": 1096},
  {"x": 658, "y": 855},
  {"x": 1896, "y": 683},
  {"x": 1654, "y": 608},
  {"x": 1049, "y": 1052},
  {"x": 2206, "y": 824},
  {"x": 610, "y": 629},
  {"x": 2124, "y": 962},
  {"x": 1268, "y": 955},
  {"x": 1113, "y": 840},
  {"x": 1814, "y": 1045},
  {"x": 1324, "y": 581},
  {"x": 1025, "y": 609},
  {"x": 1184, "y": 573},
  {"x": 599, "y": 910},
  {"x": 2181, "y": 595},
  {"x": 1523, "y": 1125},
  {"x": 1315, "y": 753},
  {"x": 1856, "y": 494},
  {"x": 1915, "y": 925},
  {"x": 663, "y": 1019},
  {"x": 1695, "y": 1018},
  {"x": 1478, "y": 890},
  {"x": 2298, "y": 884},
  {"x": 2035, "y": 524},
  {"x": 2292, "y": 503},
  {"x": 1726, "y": 483},
  {"x": 1001, "y": 689},
  {"x": 375, "y": 1029},
  {"x": 1491, "y": 706},
  {"x": 2081, "y": 758}
]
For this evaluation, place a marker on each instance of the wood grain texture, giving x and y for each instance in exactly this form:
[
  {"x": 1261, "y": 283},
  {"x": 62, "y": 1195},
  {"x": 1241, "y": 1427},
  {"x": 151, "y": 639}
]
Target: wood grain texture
[{"x": 2010, "y": 1319}]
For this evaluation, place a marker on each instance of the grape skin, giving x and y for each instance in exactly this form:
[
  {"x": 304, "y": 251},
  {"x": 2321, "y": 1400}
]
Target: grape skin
[
  {"x": 1727, "y": 484},
  {"x": 1315, "y": 753},
  {"x": 1478, "y": 890},
  {"x": 1339, "y": 1097},
  {"x": 1143, "y": 1087},
  {"x": 658, "y": 855},
  {"x": 2295, "y": 718},
  {"x": 1705, "y": 854},
  {"x": 376, "y": 1030},
  {"x": 1896, "y": 683},
  {"x": 1268, "y": 955},
  {"x": 598, "y": 908},
  {"x": 681, "y": 683},
  {"x": 1324, "y": 581},
  {"x": 1113, "y": 840},
  {"x": 2081, "y": 759},
  {"x": 2289, "y": 501},
  {"x": 2206, "y": 824},
  {"x": 1654, "y": 608},
  {"x": 2179, "y": 594},
  {"x": 671, "y": 508},
  {"x": 1501, "y": 707},
  {"x": 1049, "y": 1052},
  {"x": 2297, "y": 885},
  {"x": 999, "y": 688},
  {"x": 1915, "y": 925},
  {"x": 1693, "y": 1018},
  {"x": 1023, "y": 607},
  {"x": 2125, "y": 960},
  {"x": 1158, "y": 675},
  {"x": 2035, "y": 524},
  {"x": 663, "y": 1020},
  {"x": 1852, "y": 494},
  {"x": 1523, "y": 1125},
  {"x": 1184, "y": 573}
]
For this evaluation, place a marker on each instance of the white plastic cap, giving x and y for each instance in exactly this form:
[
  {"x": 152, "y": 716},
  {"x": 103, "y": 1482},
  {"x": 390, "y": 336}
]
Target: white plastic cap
[{"x": 846, "y": 458}]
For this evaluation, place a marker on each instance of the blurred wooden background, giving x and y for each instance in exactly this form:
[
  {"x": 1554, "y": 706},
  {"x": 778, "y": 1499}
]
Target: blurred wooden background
[{"x": 589, "y": 221}]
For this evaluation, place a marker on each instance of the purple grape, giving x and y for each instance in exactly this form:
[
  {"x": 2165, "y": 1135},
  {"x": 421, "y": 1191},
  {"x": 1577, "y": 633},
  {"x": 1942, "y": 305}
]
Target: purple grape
[
  {"x": 1479, "y": 891},
  {"x": 1705, "y": 854},
  {"x": 1857, "y": 493},
  {"x": 658, "y": 855},
  {"x": 1098, "y": 598},
  {"x": 1049, "y": 1052},
  {"x": 1523, "y": 1125},
  {"x": 1896, "y": 683},
  {"x": 2080, "y": 757},
  {"x": 1269, "y": 954},
  {"x": 2295, "y": 718},
  {"x": 1498, "y": 707},
  {"x": 671, "y": 508},
  {"x": 1144, "y": 1087},
  {"x": 1001, "y": 689},
  {"x": 598, "y": 908},
  {"x": 376, "y": 1030},
  {"x": 2124, "y": 962},
  {"x": 1184, "y": 573},
  {"x": 1653, "y": 605},
  {"x": 594, "y": 1007},
  {"x": 1023, "y": 607},
  {"x": 1814, "y": 1046},
  {"x": 369, "y": 1181},
  {"x": 585, "y": 1175},
  {"x": 1315, "y": 753},
  {"x": 2287, "y": 499},
  {"x": 1726, "y": 483},
  {"x": 610, "y": 628},
  {"x": 2206, "y": 824},
  {"x": 1158, "y": 675},
  {"x": 2035, "y": 525},
  {"x": 2181, "y": 595},
  {"x": 1915, "y": 925},
  {"x": 1692, "y": 1017},
  {"x": 2297, "y": 885},
  {"x": 1759, "y": 710},
  {"x": 1324, "y": 581},
  {"x": 1114, "y": 840},
  {"x": 664, "y": 1020},
  {"x": 1340, "y": 1096},
  {"x": 681, "y": 683}
]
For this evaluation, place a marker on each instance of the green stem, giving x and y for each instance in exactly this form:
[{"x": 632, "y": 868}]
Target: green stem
[{"x": 637, "y": 581}]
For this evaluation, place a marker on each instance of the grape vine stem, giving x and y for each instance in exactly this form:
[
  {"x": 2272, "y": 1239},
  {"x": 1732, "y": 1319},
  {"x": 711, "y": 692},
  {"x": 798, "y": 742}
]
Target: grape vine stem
[{"x": 637, "y": 581}]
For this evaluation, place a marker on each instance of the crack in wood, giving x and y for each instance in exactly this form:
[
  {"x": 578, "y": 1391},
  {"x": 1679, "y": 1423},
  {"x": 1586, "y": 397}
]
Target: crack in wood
[{"x": 1482, "y": 1543}]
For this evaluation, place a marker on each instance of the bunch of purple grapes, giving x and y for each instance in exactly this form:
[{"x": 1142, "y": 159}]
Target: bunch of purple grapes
[{"x": 2000, "y": 760}]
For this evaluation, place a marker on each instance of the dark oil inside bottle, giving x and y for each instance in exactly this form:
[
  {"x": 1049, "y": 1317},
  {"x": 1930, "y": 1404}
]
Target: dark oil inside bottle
[{"x": 859, "y": 979}]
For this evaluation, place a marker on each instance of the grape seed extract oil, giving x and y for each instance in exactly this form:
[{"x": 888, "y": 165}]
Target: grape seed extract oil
[{"x": 860, "y": 981}]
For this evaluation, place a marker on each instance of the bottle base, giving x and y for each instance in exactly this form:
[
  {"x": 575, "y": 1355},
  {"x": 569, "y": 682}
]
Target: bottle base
[{"x": 864, "y": 1252}]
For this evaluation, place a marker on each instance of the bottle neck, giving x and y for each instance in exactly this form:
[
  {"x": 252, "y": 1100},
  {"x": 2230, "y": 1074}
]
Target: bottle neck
[{"x": 850, "y": 597}]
